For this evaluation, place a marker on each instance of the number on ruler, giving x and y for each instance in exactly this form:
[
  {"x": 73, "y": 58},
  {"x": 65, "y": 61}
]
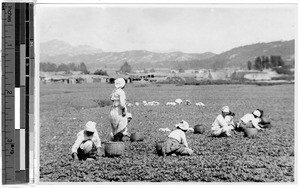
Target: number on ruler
[
  {"x": 12, "y": 149},
  {"x": 8, "y": 92},
  {"x": 9, "y": 140}
]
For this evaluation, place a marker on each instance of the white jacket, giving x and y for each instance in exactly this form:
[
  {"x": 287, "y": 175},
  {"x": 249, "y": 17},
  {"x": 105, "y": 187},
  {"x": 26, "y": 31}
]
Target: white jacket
[
  {"x": 82, "y": 137},
  {"x": 179, "y": 135},
  {"x": 250, "y": 118}
]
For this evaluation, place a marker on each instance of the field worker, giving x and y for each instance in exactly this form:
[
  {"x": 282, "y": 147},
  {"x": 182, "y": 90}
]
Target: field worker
[
  {"x": 250, "y": 120},
  {"x": 223, "y": 123},
  {"x": 176, "y": 142},
  {"x": 119, "y": 117},
  {"x": 88, "y": 143}
]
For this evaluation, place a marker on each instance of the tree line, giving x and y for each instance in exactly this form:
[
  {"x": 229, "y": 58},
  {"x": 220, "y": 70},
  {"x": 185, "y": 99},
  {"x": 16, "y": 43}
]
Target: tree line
[
  {"x": 265, "y": 62},
  {"x": 52, "y": 67}
]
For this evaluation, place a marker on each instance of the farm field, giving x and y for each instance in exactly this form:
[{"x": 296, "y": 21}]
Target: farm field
[{"x": 65, "y": 108}]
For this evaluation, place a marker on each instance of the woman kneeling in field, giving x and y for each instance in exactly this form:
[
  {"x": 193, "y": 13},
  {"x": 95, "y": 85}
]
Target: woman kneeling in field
[
  {"x": 88, "y": 143},
  {"x": 223, "y": 123},
  {"x": 250, "y": 120},
  {"x": 119, "y": 118},
  {"x": 176, "y": 142},
  {"x": 253, "y": 120}
]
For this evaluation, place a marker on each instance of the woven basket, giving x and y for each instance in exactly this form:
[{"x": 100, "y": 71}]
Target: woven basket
[
  {"x": 250, "y": 132},
  {"x": 114, "y": 149},
  {"x": 199, "y": 129},
  {"x": 159, "y": 146},
  {"x": 136, "y": 137}
]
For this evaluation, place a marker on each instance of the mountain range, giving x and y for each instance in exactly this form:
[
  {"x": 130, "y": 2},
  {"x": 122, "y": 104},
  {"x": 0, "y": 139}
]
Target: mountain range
[{"x": 58, "y": 52}]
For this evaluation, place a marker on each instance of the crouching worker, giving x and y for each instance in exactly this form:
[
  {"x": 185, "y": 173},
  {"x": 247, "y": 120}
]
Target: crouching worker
[
  {"x": 176, "y": 142},
  {"x": 250, "y": 120},
  {"x": 88, "y": 143},
  {"x": 223, "y": 124}
]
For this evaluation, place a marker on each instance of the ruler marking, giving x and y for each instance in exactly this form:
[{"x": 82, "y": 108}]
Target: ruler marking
[
  {"x": 17, "y": 46},
  {"x": 8, "y": 126}
]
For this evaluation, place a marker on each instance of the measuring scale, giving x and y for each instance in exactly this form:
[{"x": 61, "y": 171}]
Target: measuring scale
[{"x": 17, "y": 91}]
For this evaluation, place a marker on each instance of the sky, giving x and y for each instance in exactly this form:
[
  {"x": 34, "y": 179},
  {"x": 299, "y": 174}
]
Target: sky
[{"x": 165, "y": 28}]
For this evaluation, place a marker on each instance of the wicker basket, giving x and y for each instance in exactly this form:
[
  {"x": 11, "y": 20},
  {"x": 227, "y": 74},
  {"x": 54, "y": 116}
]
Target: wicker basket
[
  {"x": 199, "y": 129},
  {"x": 114, "y": 149},
  {"x": 159, "y": 146},
  {"x": 136, "y": 137},
  {"x": 250, "y": 132}
]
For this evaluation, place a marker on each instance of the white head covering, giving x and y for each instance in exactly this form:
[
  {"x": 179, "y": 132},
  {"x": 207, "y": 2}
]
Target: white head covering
[
  {"x": 257, "y": 113},
  {"x": 90, "y": 126},
  {"x": 120, "y": 82},
  {"x": 225, "y": 109},
  {"x": 183, "y": 125},
  {"x": 129, "y": 115}
]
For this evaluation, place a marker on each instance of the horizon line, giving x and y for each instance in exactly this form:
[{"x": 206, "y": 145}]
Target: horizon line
[{"x": 167, "y": 51}]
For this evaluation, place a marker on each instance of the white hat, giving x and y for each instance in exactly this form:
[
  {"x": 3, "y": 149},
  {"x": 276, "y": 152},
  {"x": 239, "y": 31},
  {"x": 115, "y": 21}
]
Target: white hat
[
  {"x": 120, "y": 82},
  {"x": 225, "y": 109},
  {"x": 257, "y": 113},
  {"x": 129, "y": 115},
  {"x": 182, "y": 125},
  {"x": 90, "y": 126}
]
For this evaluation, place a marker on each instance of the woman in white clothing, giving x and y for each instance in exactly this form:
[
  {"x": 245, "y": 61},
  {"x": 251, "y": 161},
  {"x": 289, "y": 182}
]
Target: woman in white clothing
[
  {"x": 176, "y": 142},
  {"x": 223, "y": 123},
  {"x": 251, "y": 120},
  {"x": 87, "y": 144},
  {"x": 118, "y": 114}
]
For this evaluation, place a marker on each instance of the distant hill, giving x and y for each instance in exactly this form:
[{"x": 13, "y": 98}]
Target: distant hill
[
  {"x": 57, "y": 47},
  {"x": 238, "y": 57},
  {"x": 61, "y": 52}
]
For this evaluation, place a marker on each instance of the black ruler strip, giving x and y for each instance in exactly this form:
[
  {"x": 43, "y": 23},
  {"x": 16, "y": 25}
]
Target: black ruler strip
[
  {"x": 22, "y": 23},
  {"x": 27, "y": 68},
  {"x": 23, "y": 157}
]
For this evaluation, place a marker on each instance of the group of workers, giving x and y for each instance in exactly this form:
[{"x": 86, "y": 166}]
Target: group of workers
[{"x": 88, "y": 143}]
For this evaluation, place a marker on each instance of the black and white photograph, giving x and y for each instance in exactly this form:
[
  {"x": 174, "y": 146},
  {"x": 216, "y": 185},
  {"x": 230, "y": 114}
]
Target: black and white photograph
[{"x": 166, "y": 93}]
